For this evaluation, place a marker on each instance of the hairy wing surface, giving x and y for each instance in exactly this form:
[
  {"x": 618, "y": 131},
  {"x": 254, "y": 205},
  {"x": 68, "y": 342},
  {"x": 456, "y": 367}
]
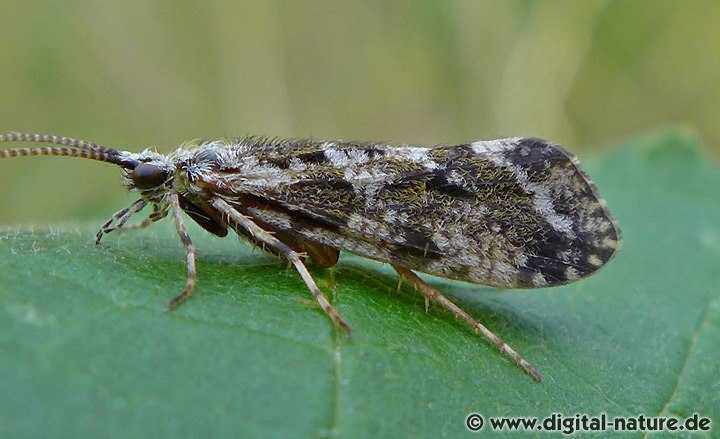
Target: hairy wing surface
[{"x": 509, "y": 213}]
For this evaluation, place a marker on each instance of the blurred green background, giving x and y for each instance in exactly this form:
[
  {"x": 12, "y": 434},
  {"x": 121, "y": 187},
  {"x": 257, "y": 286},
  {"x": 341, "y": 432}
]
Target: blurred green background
[{"x": 144, "y": 73}]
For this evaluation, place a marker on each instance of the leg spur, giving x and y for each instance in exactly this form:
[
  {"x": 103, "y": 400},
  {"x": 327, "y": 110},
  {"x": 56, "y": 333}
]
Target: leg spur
[
  {"x": 431, "y": 293},
  {"x": 270, "y": 242}
]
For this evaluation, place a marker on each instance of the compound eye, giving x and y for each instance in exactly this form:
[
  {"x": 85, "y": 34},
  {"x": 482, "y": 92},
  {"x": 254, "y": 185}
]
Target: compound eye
[{"x": 147, "y": 176}]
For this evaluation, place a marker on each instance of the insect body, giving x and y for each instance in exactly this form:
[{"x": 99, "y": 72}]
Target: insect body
[{"x": 512, "y": 213}]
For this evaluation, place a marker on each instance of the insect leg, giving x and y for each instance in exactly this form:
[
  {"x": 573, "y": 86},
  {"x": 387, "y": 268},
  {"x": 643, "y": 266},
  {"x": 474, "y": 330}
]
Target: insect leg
[
  {"x": 156, "y": 215},
  {"x": 432, "y": 293},
  {"x": 268, "y": 240},
  {"x": 120, "y": 218},
  {"x": 189, "y": 251}
]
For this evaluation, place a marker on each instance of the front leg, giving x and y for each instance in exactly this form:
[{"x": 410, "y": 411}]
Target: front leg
[
  {"x": 276, "y": 246},
  {"x": 157, "y": 214},
  {"x": 119, "y": 219}
]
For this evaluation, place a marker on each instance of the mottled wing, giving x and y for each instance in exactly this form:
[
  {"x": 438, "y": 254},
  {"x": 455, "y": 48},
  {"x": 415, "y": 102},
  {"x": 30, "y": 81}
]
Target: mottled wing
[{"x": 510, "y": 213}]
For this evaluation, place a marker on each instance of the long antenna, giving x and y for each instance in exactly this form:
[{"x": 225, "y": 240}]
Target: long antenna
[{"x": 73, "y": 148}]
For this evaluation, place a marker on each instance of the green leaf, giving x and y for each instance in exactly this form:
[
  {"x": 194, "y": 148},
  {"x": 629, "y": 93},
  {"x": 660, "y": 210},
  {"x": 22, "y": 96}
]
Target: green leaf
[{"x": 87, "y": 347}]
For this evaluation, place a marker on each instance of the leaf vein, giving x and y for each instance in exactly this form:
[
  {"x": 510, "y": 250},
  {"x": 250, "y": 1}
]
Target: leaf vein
[{"x": 703, "y": 323}]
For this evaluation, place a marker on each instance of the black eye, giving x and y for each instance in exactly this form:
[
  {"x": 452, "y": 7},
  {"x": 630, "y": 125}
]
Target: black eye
[{"x": 146, "y": 176}]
